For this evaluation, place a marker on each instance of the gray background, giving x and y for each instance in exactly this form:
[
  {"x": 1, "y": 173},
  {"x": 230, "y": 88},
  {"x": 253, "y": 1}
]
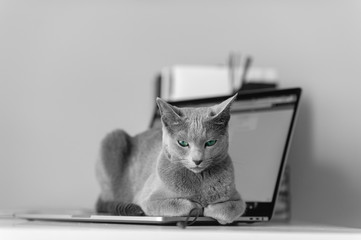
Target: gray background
[{"x": 70, "y": 71}]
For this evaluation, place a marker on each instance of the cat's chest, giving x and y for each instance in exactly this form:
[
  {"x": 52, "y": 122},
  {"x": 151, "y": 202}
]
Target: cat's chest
[
  {"x": 212, "y": 191},
  {"x": 210, "y": 186}
]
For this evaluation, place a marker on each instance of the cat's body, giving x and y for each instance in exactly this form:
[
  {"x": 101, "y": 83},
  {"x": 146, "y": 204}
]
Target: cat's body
[{"x": 170, "y": 171}]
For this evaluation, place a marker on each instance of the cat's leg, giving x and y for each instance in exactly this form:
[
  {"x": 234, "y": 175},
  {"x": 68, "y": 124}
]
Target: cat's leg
[
  {"x": 169, "y": 207},
  {"x": 225, "y": 212},
  {"x": 118, "y": 208},
  {"x": 114, "y": 153}
]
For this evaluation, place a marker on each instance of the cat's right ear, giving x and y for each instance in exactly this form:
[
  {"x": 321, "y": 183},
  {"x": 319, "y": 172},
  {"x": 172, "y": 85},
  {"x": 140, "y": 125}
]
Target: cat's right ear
[{"x": 170, "y": 115}]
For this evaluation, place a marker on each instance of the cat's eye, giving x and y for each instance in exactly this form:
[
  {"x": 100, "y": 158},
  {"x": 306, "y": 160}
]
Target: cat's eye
[
  {"x": 183, "y": 143},
  {"x": 210, "y": 143}
]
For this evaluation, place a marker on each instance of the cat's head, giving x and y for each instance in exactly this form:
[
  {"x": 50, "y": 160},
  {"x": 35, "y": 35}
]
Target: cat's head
[{"x": 195, "y": 137}]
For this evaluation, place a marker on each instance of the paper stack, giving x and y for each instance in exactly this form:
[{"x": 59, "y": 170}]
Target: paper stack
[{"x": 187, "y": 82}]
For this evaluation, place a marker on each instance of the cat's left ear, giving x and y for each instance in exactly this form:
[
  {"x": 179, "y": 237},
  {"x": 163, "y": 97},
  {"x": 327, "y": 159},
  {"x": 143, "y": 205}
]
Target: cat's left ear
[{"x": 221, "y": 112}]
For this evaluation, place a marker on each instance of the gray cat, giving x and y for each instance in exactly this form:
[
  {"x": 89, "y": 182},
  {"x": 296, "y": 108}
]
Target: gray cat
[{"x": 171, "y": 170}]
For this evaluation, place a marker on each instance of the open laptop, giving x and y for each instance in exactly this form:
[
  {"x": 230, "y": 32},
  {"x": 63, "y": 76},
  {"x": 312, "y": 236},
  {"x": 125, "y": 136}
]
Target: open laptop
[{"x": 260, "y": 133}]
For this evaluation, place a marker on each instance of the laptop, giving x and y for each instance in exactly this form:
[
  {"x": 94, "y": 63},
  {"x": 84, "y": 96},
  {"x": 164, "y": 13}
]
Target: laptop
[{"x": 260, "y": 132}]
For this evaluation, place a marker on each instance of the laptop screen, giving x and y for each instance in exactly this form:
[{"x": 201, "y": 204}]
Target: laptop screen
[{"x": 259, "y": 133}]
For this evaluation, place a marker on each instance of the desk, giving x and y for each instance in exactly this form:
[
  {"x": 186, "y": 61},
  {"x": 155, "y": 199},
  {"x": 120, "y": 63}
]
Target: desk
[{"x": 11, "y": 228}]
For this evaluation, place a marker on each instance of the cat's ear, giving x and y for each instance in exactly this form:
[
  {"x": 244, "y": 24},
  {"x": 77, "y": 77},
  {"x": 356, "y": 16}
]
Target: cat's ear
[
  {"x": 220, "y": 113},
  {"x": 170, "y": 115}
]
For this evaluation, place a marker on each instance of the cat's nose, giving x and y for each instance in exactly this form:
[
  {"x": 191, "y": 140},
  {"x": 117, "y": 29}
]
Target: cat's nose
[{"x": 197, "y": 162}]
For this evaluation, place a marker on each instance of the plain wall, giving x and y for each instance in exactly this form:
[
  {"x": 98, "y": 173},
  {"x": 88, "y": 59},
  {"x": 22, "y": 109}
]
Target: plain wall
[{"x": 71, "y": 71}]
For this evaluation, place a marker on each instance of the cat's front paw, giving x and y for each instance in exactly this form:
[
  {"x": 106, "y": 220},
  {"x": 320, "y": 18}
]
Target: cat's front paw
[
  {"x": 170, "y": 207},
  {"x": 226, "y": 212}
]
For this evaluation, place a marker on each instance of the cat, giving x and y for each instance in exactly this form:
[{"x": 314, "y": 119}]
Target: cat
[{"x": 171, "y": 170}]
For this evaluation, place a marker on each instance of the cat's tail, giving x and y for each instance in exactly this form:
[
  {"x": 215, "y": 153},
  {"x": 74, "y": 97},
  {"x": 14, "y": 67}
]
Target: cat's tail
[{"x": 119, "y": 208}]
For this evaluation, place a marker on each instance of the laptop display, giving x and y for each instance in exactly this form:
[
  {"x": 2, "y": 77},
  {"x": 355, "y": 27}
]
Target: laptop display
[{"x": 259, "y": 133}]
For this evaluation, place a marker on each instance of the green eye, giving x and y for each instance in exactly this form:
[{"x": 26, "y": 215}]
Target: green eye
[
  {"x": 183, "y": 143},
  {"x": 210, "y": 143}
]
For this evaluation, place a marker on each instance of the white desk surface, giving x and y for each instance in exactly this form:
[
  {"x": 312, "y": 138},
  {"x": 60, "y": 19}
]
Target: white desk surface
[{"x": 11, "y": 228}]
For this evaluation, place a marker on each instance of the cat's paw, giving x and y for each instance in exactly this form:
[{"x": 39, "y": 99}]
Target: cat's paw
[
  {"x": 170, "y": 207},
  {"x": 226, "y": 212},
  {"x": 182, "y": 207}
]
